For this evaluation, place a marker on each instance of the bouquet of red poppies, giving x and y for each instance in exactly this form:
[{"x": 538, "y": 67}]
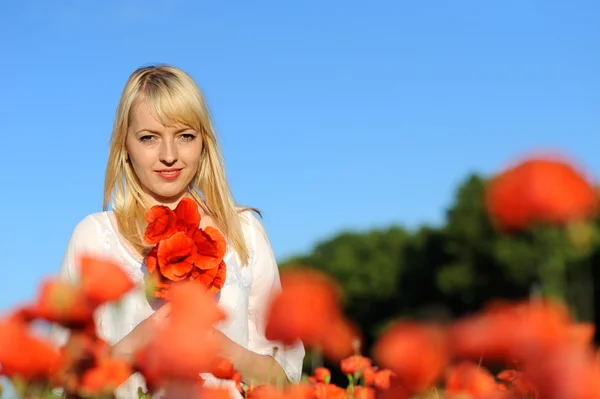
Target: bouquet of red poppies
[{"x": 183, "y": 251}]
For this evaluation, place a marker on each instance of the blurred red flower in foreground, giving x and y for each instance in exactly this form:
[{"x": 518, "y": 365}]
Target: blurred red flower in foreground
[
  {"x": 296, "y": 391},
  {"x": 185, "y": 345},
  {"x": 567, "y": 370},
  {"x": 103, "y": 280},
  {"x": 309, "y": 309},
  {"x": 467, "y": 378},
  {"x": 507, "y": 331},
  {"x": 416, "y": 353},
  {"x": 73, "y": 305},
  {"x": 542, "y": 189},
  {"x": 215, "y": 393},
  {"x": 106, "y": 376},
  {"x": 515, "y": 381},
  {"x": 321, "y": 374},
  {"x": 355, "y": 364},
  {"x": 64, "y": 303},
  {"x": 24, "y": 355}
]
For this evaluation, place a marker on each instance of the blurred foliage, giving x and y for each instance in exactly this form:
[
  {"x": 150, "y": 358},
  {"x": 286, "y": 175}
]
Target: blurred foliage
[{"x": 447, "y": 271}]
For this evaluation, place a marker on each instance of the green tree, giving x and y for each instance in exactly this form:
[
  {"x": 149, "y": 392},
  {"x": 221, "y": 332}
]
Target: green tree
[
  {"x": 418, "y": 295},
  {"x": 472, "y": 273}
]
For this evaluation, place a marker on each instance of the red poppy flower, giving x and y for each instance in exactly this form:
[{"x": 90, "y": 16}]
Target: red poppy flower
[
  {"x": 103, "y": 280},
  {"x": 188, "y": 217},
  {"x": 63, "y": 303},
  {"x": 184, "y": 251},
  {"x": 416, "y": 353},
  {"x": 176, "y": 256},
  {"x": 161, "y": 224},
  {"x": 543, "y": 190},
  {"x": 308, "y": 308},
  {"x": 211, "y": 247},
  {"x": 469, "y": 379},
  {"x": 24, "y": 355}
]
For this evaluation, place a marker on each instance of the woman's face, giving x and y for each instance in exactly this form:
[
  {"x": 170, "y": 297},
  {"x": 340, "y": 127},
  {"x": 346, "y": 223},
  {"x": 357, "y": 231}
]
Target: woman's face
[{"x": 165, "y": 159}]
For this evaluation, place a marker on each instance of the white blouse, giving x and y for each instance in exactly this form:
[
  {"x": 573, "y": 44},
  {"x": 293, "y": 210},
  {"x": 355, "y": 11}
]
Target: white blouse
[{"x": 243, "y": 297}]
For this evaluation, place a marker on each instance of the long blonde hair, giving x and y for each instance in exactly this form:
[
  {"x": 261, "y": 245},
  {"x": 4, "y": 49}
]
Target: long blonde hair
[{"x": 175, "y": 98}]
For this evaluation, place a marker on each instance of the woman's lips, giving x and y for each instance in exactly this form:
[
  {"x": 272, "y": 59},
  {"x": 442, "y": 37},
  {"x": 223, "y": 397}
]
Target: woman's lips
[{"x": 169, "y": 174}]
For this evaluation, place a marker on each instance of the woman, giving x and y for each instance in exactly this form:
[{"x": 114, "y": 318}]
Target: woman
[{"x": 163, "y": 148}]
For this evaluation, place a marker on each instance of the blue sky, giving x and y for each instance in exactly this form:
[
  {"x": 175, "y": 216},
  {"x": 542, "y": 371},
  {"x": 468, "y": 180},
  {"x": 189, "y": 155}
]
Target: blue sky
[{"x": 332, "y": 114}]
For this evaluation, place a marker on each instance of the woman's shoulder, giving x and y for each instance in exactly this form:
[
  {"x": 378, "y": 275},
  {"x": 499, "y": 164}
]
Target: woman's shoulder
[
  {"x": 254, "y": 231},
  {"x": 91, "y": 225},
  {"x": 250, "y": 220},
  {"x": 86, "y": 237}
]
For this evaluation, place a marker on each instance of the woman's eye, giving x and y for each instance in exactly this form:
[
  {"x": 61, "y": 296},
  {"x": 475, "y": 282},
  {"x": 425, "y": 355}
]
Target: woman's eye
[
  {"x": 188, "y": 137},
  {"x": 146, "y": 138}
]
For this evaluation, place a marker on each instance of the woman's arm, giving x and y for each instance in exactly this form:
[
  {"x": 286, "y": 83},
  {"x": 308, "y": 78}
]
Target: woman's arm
[
  {"x": 254, "y": 368},
  {"x": 140, "y": 335},
  {"x": 264, "y": 359}
]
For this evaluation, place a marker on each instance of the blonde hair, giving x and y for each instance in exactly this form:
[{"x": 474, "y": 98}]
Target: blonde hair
[{"x": 175, "y": 98}]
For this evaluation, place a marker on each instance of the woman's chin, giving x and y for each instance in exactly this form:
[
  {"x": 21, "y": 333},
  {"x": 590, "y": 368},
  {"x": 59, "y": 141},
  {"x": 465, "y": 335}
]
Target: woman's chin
[{"x": 167, "y": 196}]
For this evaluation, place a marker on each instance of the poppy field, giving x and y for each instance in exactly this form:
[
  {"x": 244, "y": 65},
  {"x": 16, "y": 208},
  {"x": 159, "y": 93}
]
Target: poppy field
[{"x": 529, "y": 348}]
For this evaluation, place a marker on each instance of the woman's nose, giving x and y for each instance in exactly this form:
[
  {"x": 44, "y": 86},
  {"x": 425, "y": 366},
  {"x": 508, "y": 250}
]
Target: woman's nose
[{"x": 168, "y": 152}]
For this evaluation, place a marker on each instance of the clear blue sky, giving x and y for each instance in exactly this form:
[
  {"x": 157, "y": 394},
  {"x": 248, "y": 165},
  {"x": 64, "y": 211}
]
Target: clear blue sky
[{"x": 332, "y": 114}]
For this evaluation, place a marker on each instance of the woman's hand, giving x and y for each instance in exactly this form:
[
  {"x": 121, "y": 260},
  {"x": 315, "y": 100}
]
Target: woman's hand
[
  {"x": 254, "y": 368},
  {"x": 140, "y": 335},
  {"x": 228, "y": 349}
]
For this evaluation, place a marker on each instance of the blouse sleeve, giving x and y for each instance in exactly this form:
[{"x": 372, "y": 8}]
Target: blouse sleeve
[
  {"x": 266, "y": 283},
  {"x": 84, "y": 238}
]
